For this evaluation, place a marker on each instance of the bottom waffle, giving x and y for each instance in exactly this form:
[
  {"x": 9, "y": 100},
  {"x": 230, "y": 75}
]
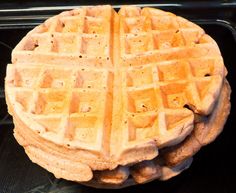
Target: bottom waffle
[
  {"x": 173, "y": 160},
  {"x": 169, "y": 163},
  {"x": 145, "y": 174}
]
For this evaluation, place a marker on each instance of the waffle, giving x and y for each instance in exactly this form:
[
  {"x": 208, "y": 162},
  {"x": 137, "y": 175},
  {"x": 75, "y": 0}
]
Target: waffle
[
  {"x": 204, "y": 132},
  {"x": 173, "y": 160},
  {"x": 91, "y": 89},
  {"x": 112, "y": 179}
]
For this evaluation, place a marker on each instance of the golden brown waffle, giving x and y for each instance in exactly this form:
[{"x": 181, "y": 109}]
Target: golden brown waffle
[
  {"x": 204, "y": 132},
  {"x": 91, "y": 89},
  {"x": 174, "y": 160},
  {"x": 112, "y": 180}
]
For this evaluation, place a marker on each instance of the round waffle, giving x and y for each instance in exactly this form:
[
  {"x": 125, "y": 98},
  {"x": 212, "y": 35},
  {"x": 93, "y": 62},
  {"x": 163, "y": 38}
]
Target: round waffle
[{"x": 90, "y": 89}]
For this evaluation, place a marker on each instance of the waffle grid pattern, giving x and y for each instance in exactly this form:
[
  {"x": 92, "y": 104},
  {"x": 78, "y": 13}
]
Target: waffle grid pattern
[
  {"x": 157, "y": 94},
  {"x": 58, "y": 102},
  {"x": 76, "y": 36},
  {"x": 167, "y": 65}
]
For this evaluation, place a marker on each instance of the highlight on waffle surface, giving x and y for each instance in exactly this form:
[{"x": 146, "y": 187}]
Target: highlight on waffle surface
[{"x": 113, "y": 99}]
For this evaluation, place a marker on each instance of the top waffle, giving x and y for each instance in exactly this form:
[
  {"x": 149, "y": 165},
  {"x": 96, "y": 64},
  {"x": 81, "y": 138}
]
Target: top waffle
[{"x": 107, "y": 89}]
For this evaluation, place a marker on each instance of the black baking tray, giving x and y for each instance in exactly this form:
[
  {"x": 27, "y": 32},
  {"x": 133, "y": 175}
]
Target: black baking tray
[{"x": 214, "y": 167}]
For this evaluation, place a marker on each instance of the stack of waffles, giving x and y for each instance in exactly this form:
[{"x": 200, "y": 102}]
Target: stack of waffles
[{"x": 113, "y": 99}]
